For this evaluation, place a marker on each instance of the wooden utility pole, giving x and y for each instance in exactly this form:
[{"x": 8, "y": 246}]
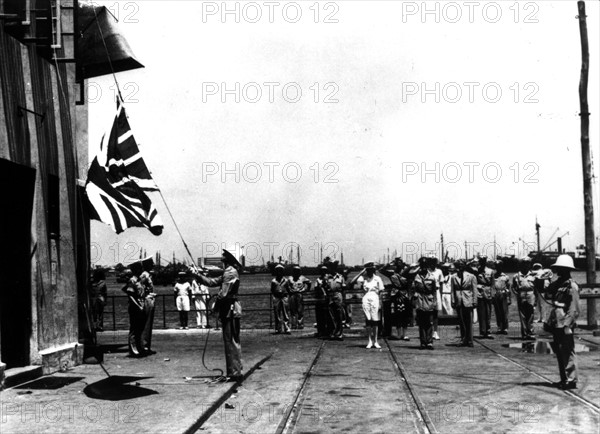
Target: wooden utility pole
[
  {"x": 537, "y": 234},
  {"x": 442, "y": 258},
  {"x": 588, "y": 202}
]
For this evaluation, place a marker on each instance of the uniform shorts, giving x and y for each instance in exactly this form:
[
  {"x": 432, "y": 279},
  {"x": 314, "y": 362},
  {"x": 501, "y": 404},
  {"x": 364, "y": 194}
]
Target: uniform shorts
[
  {"x": 370, "y": 305},
  {"x": 183, "y": 303}
]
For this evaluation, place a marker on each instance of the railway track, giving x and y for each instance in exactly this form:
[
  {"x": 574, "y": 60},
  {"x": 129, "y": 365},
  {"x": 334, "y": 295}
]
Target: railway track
[
  {"x": 582, "y": 400},
  {"x": 422, "y": 421},
  {"x": 319, "y": 379}
]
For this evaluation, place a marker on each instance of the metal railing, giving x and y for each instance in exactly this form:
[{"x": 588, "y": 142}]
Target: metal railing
[{"x": 162, "y": 311}]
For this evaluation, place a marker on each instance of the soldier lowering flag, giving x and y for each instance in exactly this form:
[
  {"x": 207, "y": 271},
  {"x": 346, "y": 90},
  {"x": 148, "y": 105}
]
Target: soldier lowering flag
[{"x": 117, "y": 179}]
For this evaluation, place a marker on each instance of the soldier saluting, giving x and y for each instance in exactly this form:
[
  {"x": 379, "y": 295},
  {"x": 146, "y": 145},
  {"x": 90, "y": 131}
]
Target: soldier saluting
[{"x": 564, "y": 296}]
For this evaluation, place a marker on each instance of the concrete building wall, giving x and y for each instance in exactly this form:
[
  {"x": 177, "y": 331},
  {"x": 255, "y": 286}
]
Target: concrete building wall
[{"x": 39, "y": 124}]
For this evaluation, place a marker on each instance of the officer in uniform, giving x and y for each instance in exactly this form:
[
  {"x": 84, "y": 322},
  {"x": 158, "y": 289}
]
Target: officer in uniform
[
  {"x": 425, "y": 286},
  {"x": 347, "y": 306},
  {"x": 281, "y": 306},
  {"x": 523, "y": 287},
  {"x": 149, "y": 297},
  {"x": 135, "y": 295},
  {"x": 230, "y": 312},
  {"x": 484, "y": 298},
  {"x": 464, "y": 300},
  {"x": 399, "y": 294},
  {"x": 501, "y": 298},
  {"x": 336, "y": 303},
  {"x": 298, "y": 286},
  {"x": 322, "y": 303},
  {"x": 386, "y": 302},
  {"x": 564, "y": 296}
]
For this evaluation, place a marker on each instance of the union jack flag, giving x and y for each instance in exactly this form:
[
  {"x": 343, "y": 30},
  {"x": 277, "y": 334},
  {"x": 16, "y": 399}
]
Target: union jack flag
[{"x": 117, "y": 179}]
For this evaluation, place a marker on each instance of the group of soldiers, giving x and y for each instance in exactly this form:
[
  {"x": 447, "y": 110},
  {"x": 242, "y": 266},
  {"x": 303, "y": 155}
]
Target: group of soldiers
[
  {"x": 419, "y": 292},
  {"x": 332, "y": 313}
]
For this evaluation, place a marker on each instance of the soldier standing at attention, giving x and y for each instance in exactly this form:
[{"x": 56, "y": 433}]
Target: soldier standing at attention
[
  {"x": 448, "y": 270},
  {"x": 399, "y": 300},
  {"x": 464, "y": 300},
  {"x": 523, "y": 287},
  {"x": 135, "y": 295},
  {"x": 564, "y": 293},
  {"x": 439, "y": 275},
  {"x": 336, "y": 303},
  {"x": 98, "y": 297},
  {"x": 484, "y": 298},
  {"x": 501, "y": 298},
  {"x": 298, "y": 286},
  {"x": 425, "y": 286},
  {"x": 279, "y": 290},
  {"x": 347, "y": 306},
  {"x": 322, "y": 303},
  {"x": 149, "y": 297},
  {"x": 230, "y": 312}
]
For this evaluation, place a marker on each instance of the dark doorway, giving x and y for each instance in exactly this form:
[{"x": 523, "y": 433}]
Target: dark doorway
[{"x": 17, "y": 185}]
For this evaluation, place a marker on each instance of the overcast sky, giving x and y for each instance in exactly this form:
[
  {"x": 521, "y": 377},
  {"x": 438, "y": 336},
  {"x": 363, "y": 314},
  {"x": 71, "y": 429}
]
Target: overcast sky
[{"x": 364, "y": 118}]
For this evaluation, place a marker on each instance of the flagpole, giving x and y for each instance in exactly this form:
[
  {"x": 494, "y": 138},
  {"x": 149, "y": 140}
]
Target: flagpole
[{"x": 177, "y": 227}]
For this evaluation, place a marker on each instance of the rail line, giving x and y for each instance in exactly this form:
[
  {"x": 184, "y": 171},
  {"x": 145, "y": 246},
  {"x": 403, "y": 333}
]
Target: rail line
[
  {"x": 428, "y": 425},
  {"x": 591, "y": 405},
  {"x": 289, "y": 420},
  {"x": 224, "y": 397}
]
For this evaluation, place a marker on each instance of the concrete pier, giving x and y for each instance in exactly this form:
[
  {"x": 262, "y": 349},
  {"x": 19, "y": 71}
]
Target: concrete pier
[{"x": 296, "y": 383}]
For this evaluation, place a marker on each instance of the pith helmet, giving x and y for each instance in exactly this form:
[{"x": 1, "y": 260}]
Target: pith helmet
[{"x": 564, "y": 261}]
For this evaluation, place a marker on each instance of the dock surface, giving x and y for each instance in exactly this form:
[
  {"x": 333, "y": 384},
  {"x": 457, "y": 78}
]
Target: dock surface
[{"x": 299, "y": 384}]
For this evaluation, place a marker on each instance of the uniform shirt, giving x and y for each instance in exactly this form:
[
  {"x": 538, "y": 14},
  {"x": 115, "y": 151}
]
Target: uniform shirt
[
  {"x": 279, "y": 288},
  {"x": 523, "y": 285},
  {"x": 447, "y": 284},
  {"x": 99, "y": 291},
  {"x": 146, "y": 281},
  {"x": 425, "y": 287},
  {"x": 321, "y": 287},
  {"x": 229, "y": 282},
  {"x": 374, "y": 284},
  {"x": 484, "y": 283},
  {"x": 298, "y": 286},
  {"x": 500, "y": 286},
  {"x": 182, "y": 289},
  {"x": 337, "y": 283},
  {"x": 565, "y": 299},
  {"x": 464, "y": 290},
  {"x": 439, "y": 275},
  {"x": 134, "y": 289}
]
